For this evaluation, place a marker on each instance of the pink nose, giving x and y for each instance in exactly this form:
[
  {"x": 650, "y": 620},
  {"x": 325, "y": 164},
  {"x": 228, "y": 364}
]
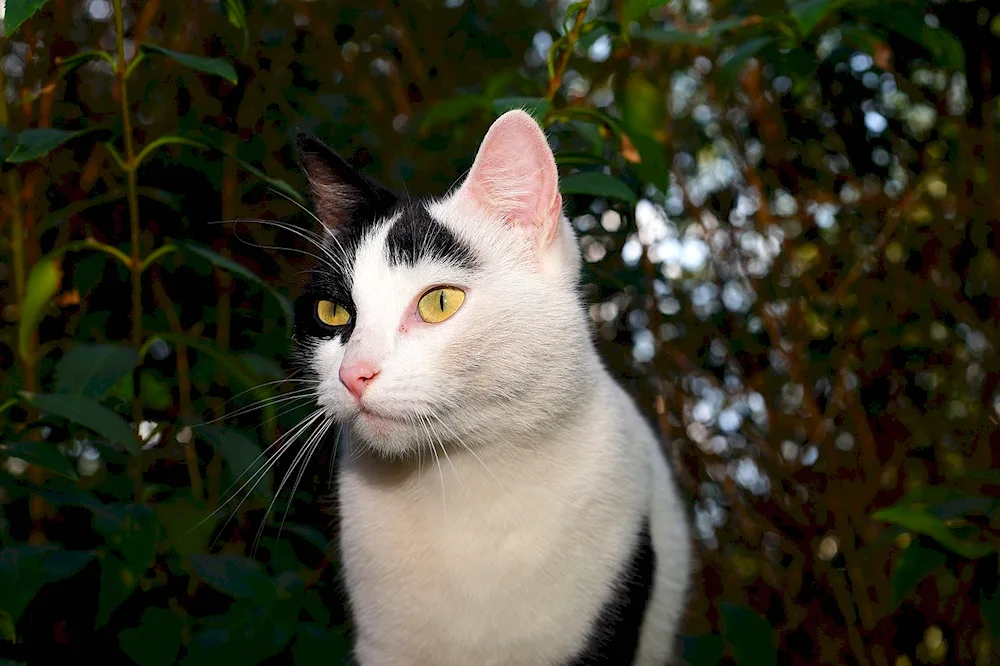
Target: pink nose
[{"x": 356, "y": 377}]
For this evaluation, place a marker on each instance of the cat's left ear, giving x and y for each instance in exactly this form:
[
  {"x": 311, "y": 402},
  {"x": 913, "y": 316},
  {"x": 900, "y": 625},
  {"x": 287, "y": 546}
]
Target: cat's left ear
[
  {"x": 339, "y": 192},
  {"x": 515, "y": 178}
]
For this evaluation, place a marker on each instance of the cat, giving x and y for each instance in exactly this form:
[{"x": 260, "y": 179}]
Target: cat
[{"x": 502, "y": 500}]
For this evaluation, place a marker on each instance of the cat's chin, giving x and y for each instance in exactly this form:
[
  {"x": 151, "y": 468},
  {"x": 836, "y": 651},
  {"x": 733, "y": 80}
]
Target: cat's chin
[{"x": 383, "y": 435}]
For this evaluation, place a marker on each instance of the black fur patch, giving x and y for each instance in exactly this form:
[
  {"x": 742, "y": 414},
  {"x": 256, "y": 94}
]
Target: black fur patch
[
  {"x": 358, "y": 206},
  {"x": 416, "y": 235},
  {"x": 614, "y": 637}
]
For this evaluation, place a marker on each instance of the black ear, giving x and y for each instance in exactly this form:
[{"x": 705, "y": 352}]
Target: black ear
[{"x": 339, "y": 192}]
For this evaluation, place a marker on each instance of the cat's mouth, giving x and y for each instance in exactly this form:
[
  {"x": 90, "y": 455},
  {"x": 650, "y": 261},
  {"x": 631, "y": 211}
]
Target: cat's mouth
[{"x": 368, "y": 414}]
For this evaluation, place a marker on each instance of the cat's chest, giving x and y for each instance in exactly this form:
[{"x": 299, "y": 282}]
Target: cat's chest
[{"x": 487, "y": 570}]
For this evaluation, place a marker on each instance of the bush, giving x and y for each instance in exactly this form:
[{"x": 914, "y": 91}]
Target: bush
[{"x": 788, "y": 215}]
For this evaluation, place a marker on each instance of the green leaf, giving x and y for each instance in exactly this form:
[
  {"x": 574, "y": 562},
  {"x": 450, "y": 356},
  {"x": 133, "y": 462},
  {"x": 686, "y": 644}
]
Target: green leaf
[
  {"x": 43, "y": 283},
  {"x": 67, "y": 65},
  {"x": 750, "y": 635},
  {"x": 536, "y": 106},
  {"x": 990, "y": 605},
  {"x": 42, "y": 454},
  {"x": 634, "y": 10},
  {"x": 915, "y": 563},
  {"x": 213, "y": 66},
  {"x": 187, "y": 522},
  {"x": 34, "y": 143},
  {"x": 319, "y": 645},
  {"x": 908, "y": 21},
  {"x": 643, "y": 105},
  {"x": 130, "y": 529},
  {"x": 235, "y": 575},
  {"x": 311, "y": 535},
  {"x": 672, "y": 36},
  {"x": 117, "y": 584},
  {"x": 88, "y": 413},
  {"x": 809, "y": 13},
  {"x": 452, "y": 110},
  {"x": 91, "y": 370},
  {"x": 704, "y": 650},
  {"x": 242, "y": 271},
  {"x": 24, "y": 569},
  {"x": 157, "y": 639},
  {"x": 17, "y": 12},
  {"x": 923, "y": 522},
  {"x": 654, "y": 167},
  {"x": 236, "y": 14},
  {"x": 731, "y": 68},
  {"x": 244, "y": 457},
  {"x": 597, "y": 185}
]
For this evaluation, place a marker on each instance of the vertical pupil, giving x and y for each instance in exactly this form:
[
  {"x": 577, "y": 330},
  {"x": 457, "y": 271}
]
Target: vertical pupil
[{"x": 442, "y": 300}]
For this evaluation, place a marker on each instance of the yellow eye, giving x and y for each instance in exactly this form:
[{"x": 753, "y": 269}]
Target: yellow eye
[
  {"x": 439, "y": 304},
  {"x": 332, "y": 314}
]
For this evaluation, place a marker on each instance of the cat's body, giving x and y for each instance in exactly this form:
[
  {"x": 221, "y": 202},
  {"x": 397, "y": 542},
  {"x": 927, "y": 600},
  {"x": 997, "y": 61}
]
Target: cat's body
[{"x": 502, "y": 501}]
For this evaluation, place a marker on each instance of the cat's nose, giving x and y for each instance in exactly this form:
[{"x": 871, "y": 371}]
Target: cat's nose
[{"x": 357, "y": 376}]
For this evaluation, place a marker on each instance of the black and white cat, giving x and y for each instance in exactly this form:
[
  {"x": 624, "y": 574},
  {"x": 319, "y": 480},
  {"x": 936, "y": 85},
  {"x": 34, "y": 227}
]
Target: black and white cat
[{"x": 502, "y": 500}]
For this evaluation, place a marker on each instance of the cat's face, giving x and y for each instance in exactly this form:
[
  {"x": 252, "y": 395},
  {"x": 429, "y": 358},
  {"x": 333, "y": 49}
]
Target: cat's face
[{"x": 448, "y": 322}]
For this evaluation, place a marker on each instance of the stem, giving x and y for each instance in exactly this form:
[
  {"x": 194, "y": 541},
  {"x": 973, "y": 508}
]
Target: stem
[
  {"x": 183, "y": 384},
  {"x": 571, "y": 39},
  {"x": 135, "y": 264}
]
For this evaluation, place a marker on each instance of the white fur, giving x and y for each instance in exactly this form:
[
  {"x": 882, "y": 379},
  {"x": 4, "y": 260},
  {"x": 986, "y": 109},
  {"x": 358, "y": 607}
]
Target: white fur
[{"x": 486, "y": 526}]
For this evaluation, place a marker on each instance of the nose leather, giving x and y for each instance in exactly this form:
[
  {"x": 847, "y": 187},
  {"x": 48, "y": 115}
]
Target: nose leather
[{"x": 357, "y": 376}]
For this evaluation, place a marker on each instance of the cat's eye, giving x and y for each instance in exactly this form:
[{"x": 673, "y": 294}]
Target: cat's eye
[
  {"x": 332, "y": 314},
  {"x": 439, "y": 304}
]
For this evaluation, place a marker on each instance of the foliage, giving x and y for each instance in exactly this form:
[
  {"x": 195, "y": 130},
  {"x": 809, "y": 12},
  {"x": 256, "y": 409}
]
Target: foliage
[{"x": 788, "y": 215}]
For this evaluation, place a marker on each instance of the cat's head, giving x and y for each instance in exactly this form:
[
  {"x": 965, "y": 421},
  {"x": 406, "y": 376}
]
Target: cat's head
[{"x": 449, "y": 321}]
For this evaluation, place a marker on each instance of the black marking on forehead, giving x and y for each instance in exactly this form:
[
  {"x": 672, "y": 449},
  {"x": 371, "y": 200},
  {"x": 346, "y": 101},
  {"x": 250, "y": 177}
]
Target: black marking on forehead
[{"x": 415, "y": 235}]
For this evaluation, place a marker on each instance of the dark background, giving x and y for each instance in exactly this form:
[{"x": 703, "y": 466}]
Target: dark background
[{"x": 790, "y": 219}]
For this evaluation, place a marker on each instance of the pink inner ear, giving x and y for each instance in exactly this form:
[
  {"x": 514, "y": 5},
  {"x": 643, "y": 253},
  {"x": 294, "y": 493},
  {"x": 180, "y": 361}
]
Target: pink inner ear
[{"x": 514, "y": 175}]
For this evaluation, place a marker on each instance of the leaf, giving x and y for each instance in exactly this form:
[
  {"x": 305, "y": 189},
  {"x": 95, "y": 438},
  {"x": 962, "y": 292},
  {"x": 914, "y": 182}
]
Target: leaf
[
  {"x": 915, "y": 563},
  {"x": 750, "y": 635},
  {"x": 536, "y": 106},
  {"x": 654, "y": 167},
  {"x": 311, "y": 535},
  {"x": 117, "y": 584},
  {"x": 236, "y": 14},
  {"x": 213, "y": 66},
  {"x": 243, "y": 456},
  {"x": 704, "y": 650},
  {"x": 598, "y": 185},
  {"x": 452, "y": 110},
  {"x": 672, "y": 36},
  {"x": 67, "y": 65},
  {"x": 187, "y": 522},
  {"x": 91, "y": 370},
  {"x": 731, "y": 68},
  {"x": 809, "y": 13},
  {"x": 634, "y": 10},
  {"x": 131, "y": 530},
  {"x": 24, "y": 569},
  {"x": 34, "y": 143},
  {"x": 921, "y": 521},
  {"x": 236, "y": 268},
  {"x": 944, "y": 46},
  {"x": 88, "y": 413},
  {"x": 157, "y": 639},
  {"x": 643, "y": 105},
  {"x": 235, "y": 575},
  {"x": 319, "y": 645},
  {"x": 17, "y": 12},
  {"x": 990, "y": 605},
  {"x": 43, "y": 283},
  {"x": 42, "y": 454}
]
